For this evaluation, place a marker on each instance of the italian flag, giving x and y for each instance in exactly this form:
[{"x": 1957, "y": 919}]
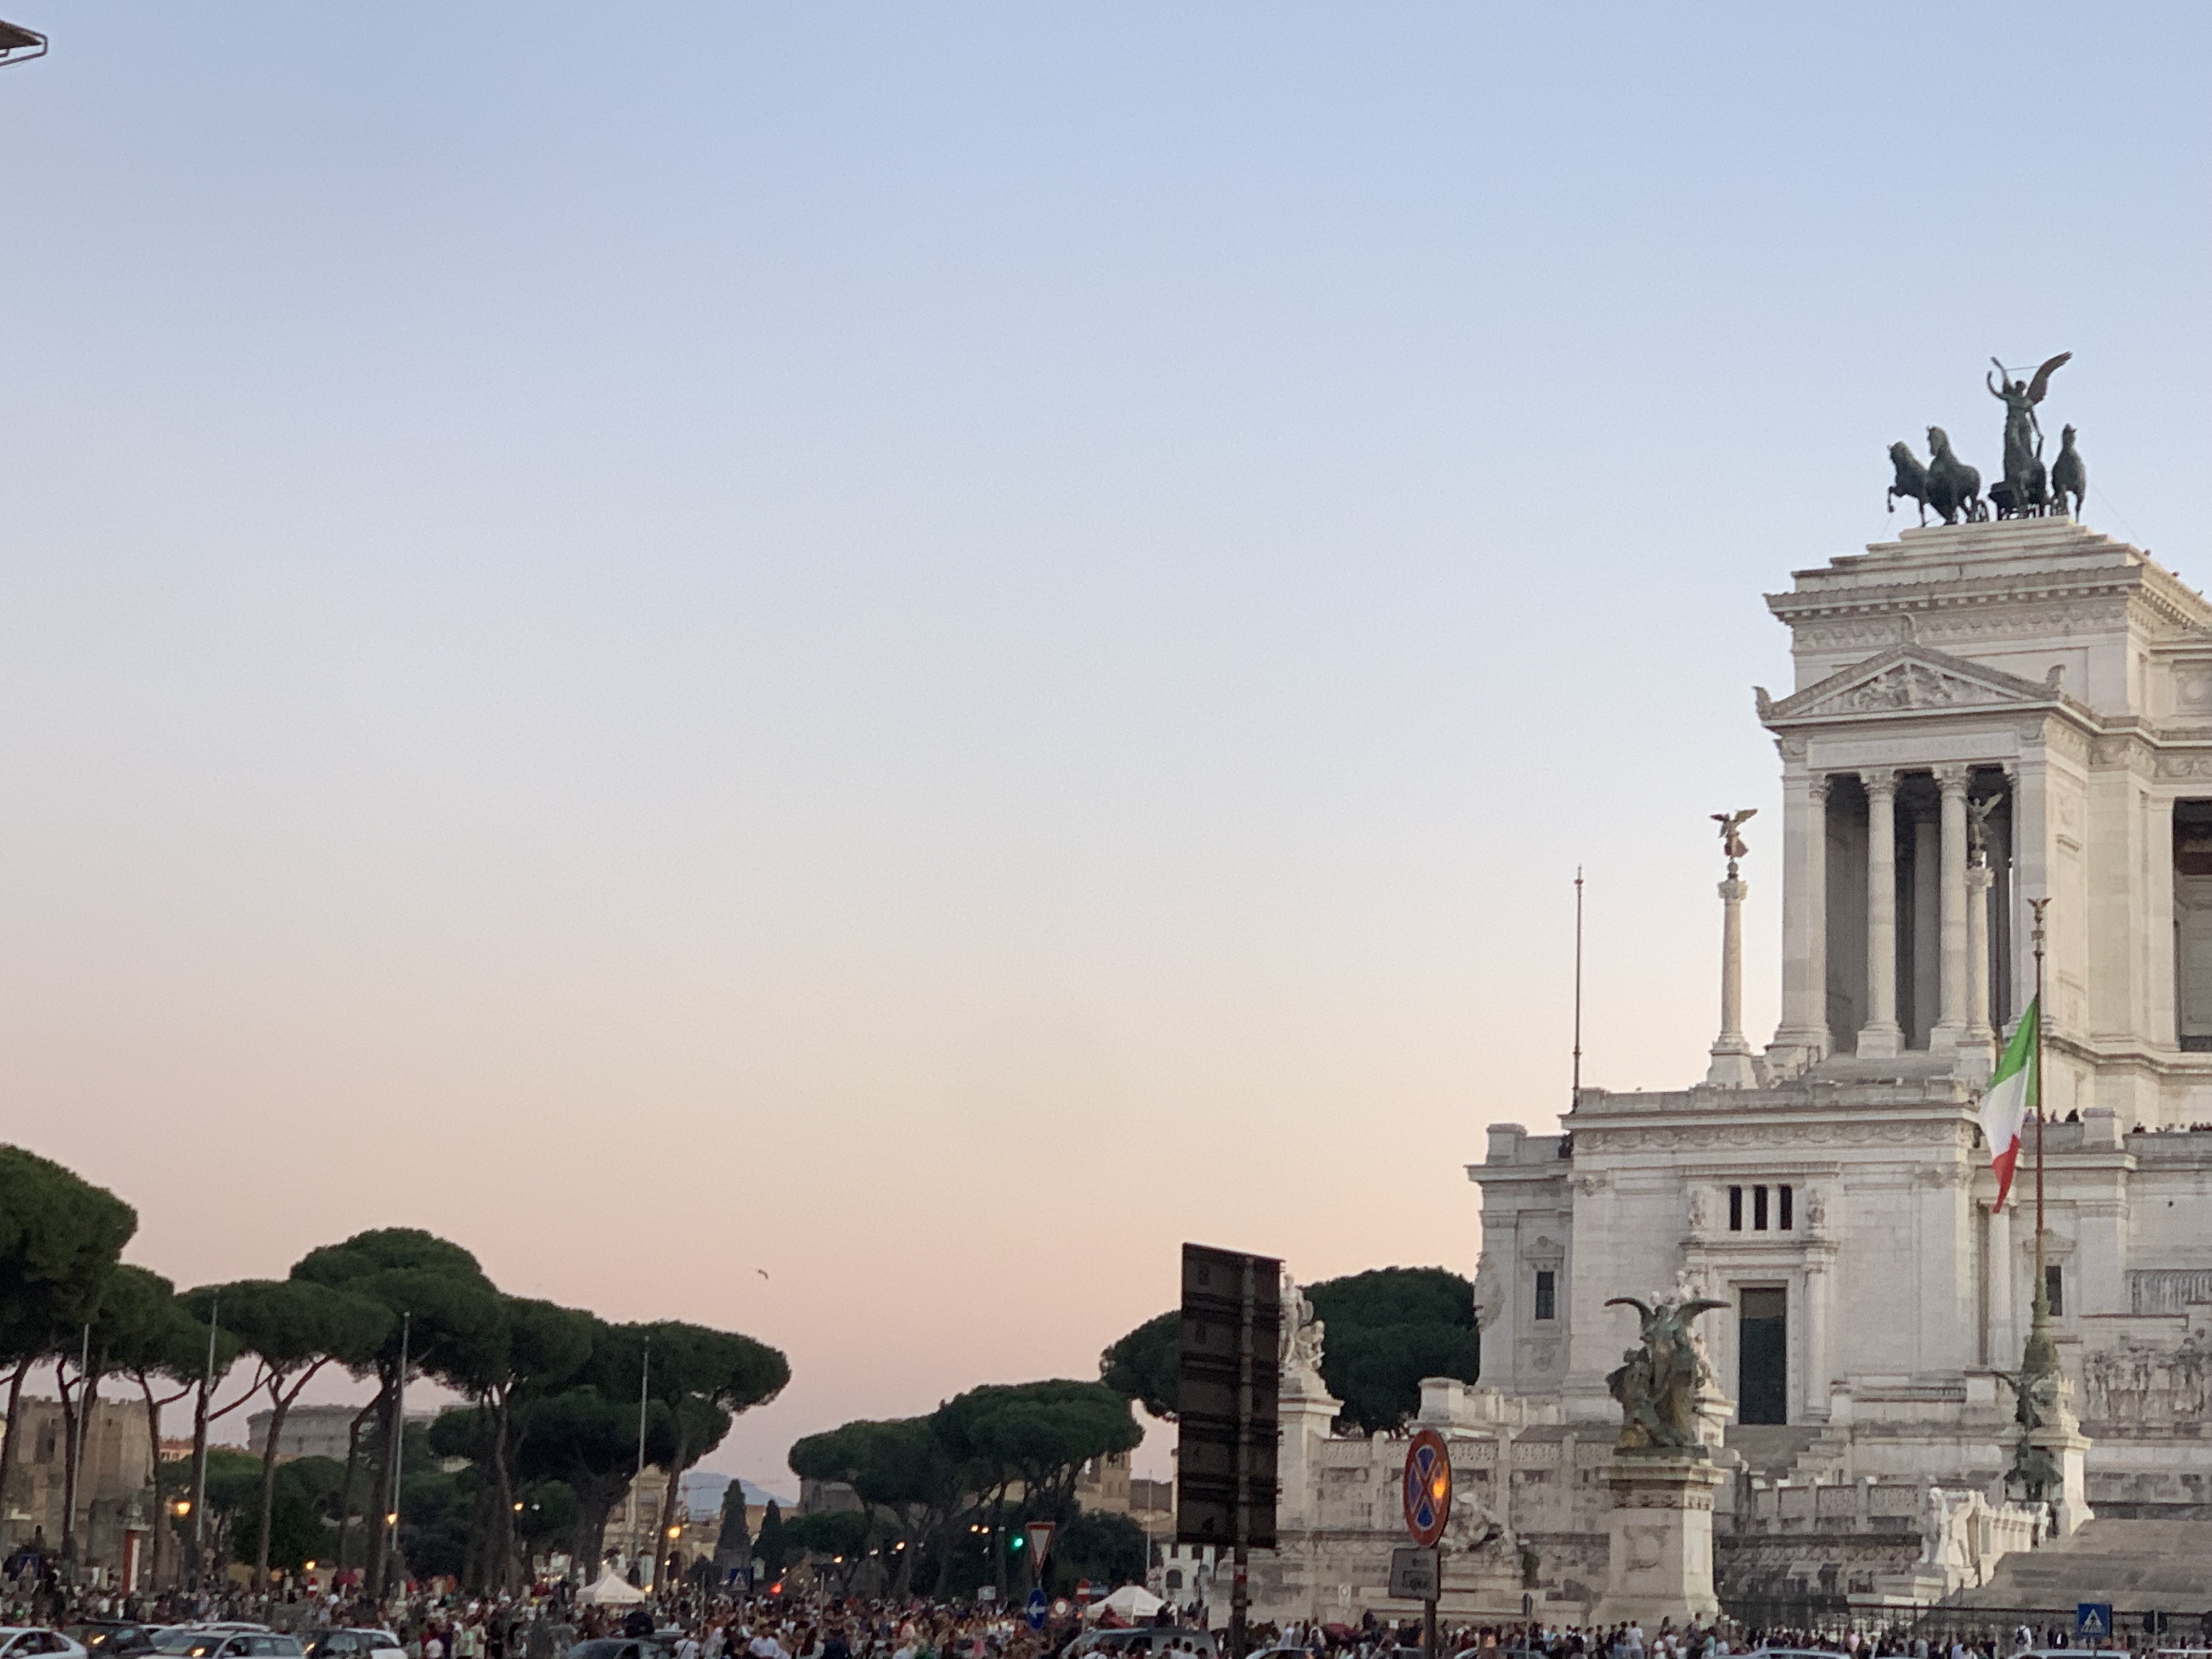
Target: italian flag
[{"x": 2014, "y": 1092}]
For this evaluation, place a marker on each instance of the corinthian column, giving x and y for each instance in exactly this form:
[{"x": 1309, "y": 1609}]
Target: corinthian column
[
  {"x": 1802, "y": 1037},
  {"x": 1950, "y": 1027},
  {"x": 1879, "y": 1038},
  {"x": 1975, "y": 1059}
]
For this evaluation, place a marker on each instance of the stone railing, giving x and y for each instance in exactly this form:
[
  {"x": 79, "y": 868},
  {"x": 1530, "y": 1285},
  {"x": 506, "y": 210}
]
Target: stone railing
[{"x": 2167, "y": 1289}]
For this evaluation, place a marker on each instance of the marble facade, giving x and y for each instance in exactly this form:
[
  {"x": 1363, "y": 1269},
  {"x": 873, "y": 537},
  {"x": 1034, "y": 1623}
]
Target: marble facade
[
  {"x": 2051, "y": 688},
  {"x": 2057, "y": 684}
]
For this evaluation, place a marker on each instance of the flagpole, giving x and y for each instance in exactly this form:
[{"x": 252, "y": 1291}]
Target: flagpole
[
  {"x": 2042, "y": 1352},
  {"x": 1574, "y": 1089}
]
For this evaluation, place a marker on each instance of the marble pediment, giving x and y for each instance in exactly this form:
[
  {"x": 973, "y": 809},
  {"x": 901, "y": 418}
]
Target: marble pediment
[{"x": 1906, "y": 679}]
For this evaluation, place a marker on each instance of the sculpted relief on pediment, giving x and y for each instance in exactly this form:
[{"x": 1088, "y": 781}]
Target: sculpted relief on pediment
[
  {"x": 1904, "y": 681},
  {"x": 1908, "y": 685}
]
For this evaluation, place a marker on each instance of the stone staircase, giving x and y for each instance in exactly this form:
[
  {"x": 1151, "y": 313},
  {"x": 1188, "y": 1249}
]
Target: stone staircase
[
  {"x": 1771, "y": 1449},
  {"x": 2163, "y": 1566}
]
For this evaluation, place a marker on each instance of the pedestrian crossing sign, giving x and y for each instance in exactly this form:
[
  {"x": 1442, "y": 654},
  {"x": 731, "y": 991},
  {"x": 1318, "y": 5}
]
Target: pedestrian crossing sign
[{"x": 2093, "y": 1618}]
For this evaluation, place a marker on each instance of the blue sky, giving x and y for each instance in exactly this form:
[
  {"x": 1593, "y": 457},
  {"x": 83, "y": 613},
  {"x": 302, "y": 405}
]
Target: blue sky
[{"x": 925, "y": 649}]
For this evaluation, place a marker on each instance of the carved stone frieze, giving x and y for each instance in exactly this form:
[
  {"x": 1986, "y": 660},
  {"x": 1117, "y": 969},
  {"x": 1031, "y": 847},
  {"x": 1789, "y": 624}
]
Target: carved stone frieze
[
  {"x": 2129, "y": 750},
  {"x": 2153, "y": 1386},
  {"x": 1945, "y": 1175},
  {"x": 1677, "y": 1138},
  {"x": 2193, "y": 690},
  {"x": 2062, "y": 738},
  {"x": 2185, "y": 766},
  {"x": 1979, "y": 622}
]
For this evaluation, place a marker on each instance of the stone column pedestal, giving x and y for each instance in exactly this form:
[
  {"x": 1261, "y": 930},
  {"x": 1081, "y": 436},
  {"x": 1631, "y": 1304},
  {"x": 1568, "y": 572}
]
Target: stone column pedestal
[
  {"x": 2069, "y": 1505},
  {"x": 2061, "y": 1437},
  {"x": 1660, "y": 1532},
  {"x": 1732, "y": 1065}
]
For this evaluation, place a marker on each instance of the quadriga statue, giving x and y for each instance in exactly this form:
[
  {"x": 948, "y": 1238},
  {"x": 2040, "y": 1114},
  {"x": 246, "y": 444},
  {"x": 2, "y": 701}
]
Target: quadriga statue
[{"x": 1658, "y": 1382}]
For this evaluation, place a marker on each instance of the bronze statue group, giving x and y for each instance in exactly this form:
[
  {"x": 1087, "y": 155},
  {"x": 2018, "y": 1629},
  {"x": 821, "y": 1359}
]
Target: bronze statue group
[{"x": 1954, "y": 489}]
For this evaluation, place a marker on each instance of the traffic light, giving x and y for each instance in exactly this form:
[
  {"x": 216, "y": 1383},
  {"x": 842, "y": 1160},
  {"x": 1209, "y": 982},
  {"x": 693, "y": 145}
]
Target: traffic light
[{"x": 1016, "y": 1542}]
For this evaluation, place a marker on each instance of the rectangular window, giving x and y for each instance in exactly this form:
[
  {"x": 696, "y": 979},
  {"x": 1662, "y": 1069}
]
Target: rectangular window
[
  {"x": 1736, "y": 1209},
  {"x": 1547, "y": 1294},
  {"x": 2054, "y": 1287},
  {"x": 1759, "y": 1209},
  {"x": 1785, "y": 1217}
]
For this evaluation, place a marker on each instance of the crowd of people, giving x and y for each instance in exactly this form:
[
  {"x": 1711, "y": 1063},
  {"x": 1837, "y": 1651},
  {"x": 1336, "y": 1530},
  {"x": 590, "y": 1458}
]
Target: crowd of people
[{"x": 552, "y": 1619}]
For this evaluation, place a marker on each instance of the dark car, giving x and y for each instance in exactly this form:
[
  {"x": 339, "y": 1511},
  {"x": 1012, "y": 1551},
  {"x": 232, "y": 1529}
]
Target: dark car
[
  {"x": 616, "y": 1647},
  {"x": 114, "y": 1637}
]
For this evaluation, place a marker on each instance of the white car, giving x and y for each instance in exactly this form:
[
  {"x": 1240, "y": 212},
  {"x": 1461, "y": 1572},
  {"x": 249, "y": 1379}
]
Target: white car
[
  {"x": 20, "y": 1642},
  {"x": 217, "y": 1642},
  {"x": 354, "y": 1644}
]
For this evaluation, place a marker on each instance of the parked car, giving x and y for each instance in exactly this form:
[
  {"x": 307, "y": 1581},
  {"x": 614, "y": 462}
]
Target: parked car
[
  {"x": 20, "y": 1642},
  {"x": 617, "y": 1647},
  {"x": 217, "y": 1642},
  {"x": 352, "y": 1642},
  {"x": 113, "y": 1638}
]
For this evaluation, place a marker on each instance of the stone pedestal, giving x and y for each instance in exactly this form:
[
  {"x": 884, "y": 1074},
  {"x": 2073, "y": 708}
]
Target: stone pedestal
[
  {"x": 1660, "y": 1533},
  {"x": 2062, "y": 1437}
]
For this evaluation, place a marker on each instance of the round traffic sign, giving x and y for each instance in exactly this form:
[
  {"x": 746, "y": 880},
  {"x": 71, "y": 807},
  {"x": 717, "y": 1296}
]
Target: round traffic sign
[{"x": 1428, "y": 1487}]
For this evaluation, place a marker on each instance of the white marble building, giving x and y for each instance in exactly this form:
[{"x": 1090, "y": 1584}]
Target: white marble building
[{"x": 1833, "y": 1192}]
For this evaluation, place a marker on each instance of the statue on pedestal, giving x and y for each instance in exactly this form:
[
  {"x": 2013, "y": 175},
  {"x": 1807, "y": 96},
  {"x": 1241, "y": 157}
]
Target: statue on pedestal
[
  {"x": 1300, "y": 1340},
  {"x": 1732, "y": 843},
  {"x": 1657, "y": 1384}
]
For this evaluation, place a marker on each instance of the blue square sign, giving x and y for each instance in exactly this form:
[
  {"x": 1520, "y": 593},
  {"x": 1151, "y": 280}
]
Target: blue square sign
[{"x": 2093, "y": 1619}]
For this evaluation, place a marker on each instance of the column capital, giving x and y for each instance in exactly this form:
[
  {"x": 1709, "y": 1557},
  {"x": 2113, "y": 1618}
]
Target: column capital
[
  {"x": 1816, "y": 787},
  {"x": 1879, "y": 785},
  {"x": 1952, "y": 780}
]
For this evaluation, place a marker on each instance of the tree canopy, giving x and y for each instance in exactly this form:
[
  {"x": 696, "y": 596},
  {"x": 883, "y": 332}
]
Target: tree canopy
[
  {"x": 60, "y": 1237},
  {"x": 1143, "y": 1365},
  {"x": 1388, "y": 1328}
]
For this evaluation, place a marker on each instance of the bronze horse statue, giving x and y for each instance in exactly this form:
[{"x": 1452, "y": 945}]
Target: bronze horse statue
[
  {"x": 2070, "y": 475},
  {"x": 1954, "y": 488},
  {"x": 1911, "y": 480}
]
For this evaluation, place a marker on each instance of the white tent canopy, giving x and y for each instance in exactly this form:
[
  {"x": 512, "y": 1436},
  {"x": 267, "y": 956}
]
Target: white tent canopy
[
  {"x": 611, "y": 1591},
  {"x": 1130, "y": 1602}
]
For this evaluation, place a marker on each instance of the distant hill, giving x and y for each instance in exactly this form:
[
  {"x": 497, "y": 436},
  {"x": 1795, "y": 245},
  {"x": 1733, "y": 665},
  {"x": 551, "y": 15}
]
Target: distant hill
[{"x": 704, "y": 1489}]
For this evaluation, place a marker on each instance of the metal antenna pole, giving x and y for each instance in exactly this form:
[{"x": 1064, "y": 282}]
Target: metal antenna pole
[
  {"x": 206, "y": 1392},
  {"x": 644, "y": 1372},
  {"x": 1574, "y": 1089},
  {"x": 84, "y": 1392},
  {"x": 398, "y": 1435}
]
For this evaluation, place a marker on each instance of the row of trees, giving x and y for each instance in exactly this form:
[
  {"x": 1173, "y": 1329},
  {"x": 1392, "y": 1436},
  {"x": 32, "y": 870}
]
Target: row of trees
[
  {"x": 948, "y": 1494},
  {"x": 550, "y": 1427},
  {"x": 950, "y": 1491}
]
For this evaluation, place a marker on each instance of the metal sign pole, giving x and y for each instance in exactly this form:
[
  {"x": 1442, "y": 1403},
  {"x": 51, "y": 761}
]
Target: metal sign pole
[{"x": 1240, "y": 1594}]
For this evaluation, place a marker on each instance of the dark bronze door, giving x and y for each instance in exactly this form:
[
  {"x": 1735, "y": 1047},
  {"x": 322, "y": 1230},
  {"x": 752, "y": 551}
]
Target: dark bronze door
[{"x": 1762, "y": 1390}]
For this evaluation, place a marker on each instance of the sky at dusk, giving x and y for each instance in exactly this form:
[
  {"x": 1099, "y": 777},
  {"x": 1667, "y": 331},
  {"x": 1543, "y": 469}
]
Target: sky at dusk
[{"x": 840, "y": 669}]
